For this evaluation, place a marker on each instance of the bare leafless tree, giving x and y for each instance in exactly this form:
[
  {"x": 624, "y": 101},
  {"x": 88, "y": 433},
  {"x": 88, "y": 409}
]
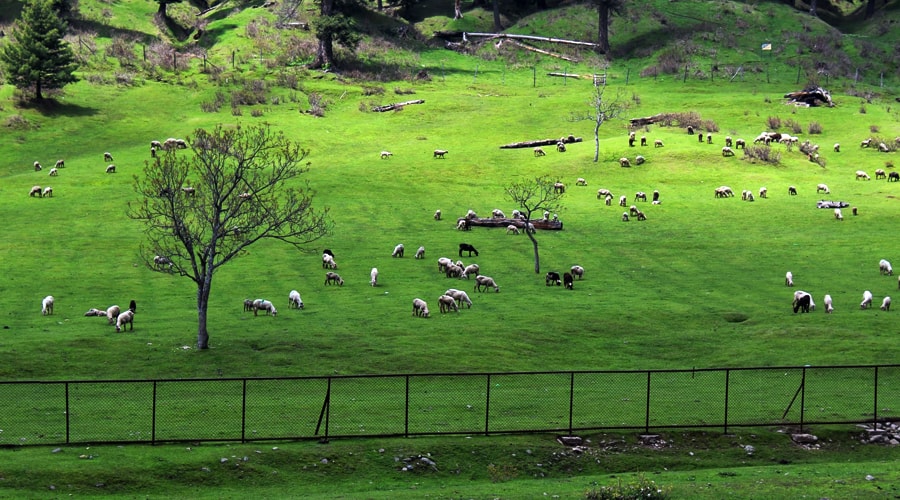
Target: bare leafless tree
[
  {"x": 243, "y": 188},
  {"x": 601, "y": 110},
  {"x": 535, "y": 196}
]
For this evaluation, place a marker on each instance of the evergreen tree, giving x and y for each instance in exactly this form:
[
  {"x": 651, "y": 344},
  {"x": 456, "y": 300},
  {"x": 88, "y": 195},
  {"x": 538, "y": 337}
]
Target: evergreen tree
[{"x": 36, "y": 56}]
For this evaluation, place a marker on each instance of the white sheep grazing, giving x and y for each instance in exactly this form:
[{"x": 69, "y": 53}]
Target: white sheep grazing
[
  {"x": 60, "y": 164},
  {"x": 829, "y": 307},
  {"x": 189, "y": 190},
  {"x": 639, "y": 160},
  {"x": 37, "y": 166},
  {"x": 268, "y": 307},
  {"x": 47, "y": 305},
  {"x": 112, "y": 312},
  {"x": 35, "y": 191},
  {"x": 437, "y": 214},
  {"x": 447, "y": 304},
  {"x": 763, "y": 192},
  {"x": 439, "y": 153},
  {"x": 107, "y": 156},
  {"x": 111, "y": 169},
  {"x": 332, "y": 278},
  {"x": 420, "y": 308},
  {"x": 880, "y": 174},
  {"x": 608, "y": 200},
  {"x": 789, "y": 279},
  {"x": 160, "y": 261},
  {"x": 800, "y": 293},
  {"x": 624, "y": 216},
  {"x": 455, "y": 271},
  {"x": 373, "y": 276},
  {"x": 398, "y": 251},
  {"x": 623, "y": 162},
  {"x": 328, "y": 262},
  {"x": 512, "y": 229},
  {"x": 862, "y": 175},
  {"x": 386, "y": 154},
  {"x": 471, "y": 269},
  {"x": 577, "y": 271},
  {"x": 485, "y": 282},
  {"x": 95, "y": 312},
  {"x": 460, "y": 297},
  {"x": 726, "y": 151},
  {"x": 539, "y": 151},
  {"x": 420, "y": 253},
  {"x": 126, "y": 318},
  {"x": 866, "y": 143},
  {"x": 603, "y": 193},
  {"x": 444, "y": 263},
  {"x": 822, "y": 188},
  {"x": 886, "y": 304},
  {"x": 156, "y": 144},
  {"x": 462, "y": 225},
  {"x": 837, "y": 147},
  {"x": 658, "y": 143},
  {"x": 884, "y": 267},
  {"x": 580, "y": 182},
  {"x": 294, "y": 300},
  {"x": 54, "y": 172},
  {"x": 838, "y": 215},
  {"x": 623, "y": 201},
  {"x": 498, "y": 214},
  {"x": 867, "y": 300},
  {"x": 883, "y": 147},
  {"x": 516, "y": 214},
  {"x": 47, "y": 192},
  {"x": 561, "y": 146}
]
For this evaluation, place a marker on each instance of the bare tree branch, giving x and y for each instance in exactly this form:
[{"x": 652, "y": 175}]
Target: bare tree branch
[{"x": 535, "y": 196}]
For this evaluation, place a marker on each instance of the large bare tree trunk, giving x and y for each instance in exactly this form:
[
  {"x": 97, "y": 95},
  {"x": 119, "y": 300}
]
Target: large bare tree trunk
[
  {"x": 325, "y": 51},
  {"x": 603, "y": 27},
  {"x": 537, "y": 257},
  {"x": 202, "y": 308},
  {"x": 497, "y": 25}
]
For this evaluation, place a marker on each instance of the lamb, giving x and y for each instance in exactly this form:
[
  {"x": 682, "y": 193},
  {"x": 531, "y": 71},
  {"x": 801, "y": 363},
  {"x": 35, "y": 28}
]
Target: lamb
[
  {"x": 294, "y": 300},
  {"x": 465, "y": 247},
  {"x": 444, "y": 263},
  {"x": 539, "y": 151},
  {"x": 112, "y": 312},
  {"x": 880, "y": 174},
  {"x": 332, "y": 278},
  {"x": 160, "y": 261},
  {"x": 95, "y": 312},
  {"x": 883, "y": 147},
  {"x": 866, "y": 143},
  {"x": 420, "y": 253},
  {"x": 460, "y": 297},
  {"x": 893, "y": 177},
  {"x": 54, "y": 172},
  {"x": 559, "y": 187},
  {"x": 156, "y": 144},
  {"x": 792, "y": 191},
  {"x": 633, "y": 210},
  {"x": 248, "y": 305},
  {"x": 398, "y": 251},
  {"x": 439, "y": 153},
  {"x": 623, "y": 162},
  {"x": 838, "y": 215},
  {"x": 884, "y": 267},
  {"x": 631, "y": 136},
  {"x": 862, "y": 175},
  {"x": 266, "y": 306},
  {"x": 822, "y": 188},
  {"x": 643, "y": 140},
  {"x": 373, "y": 276},
  {"x": 447, "y": 304},
  {"x": 728, "y": 141},
  {"x": 577, "y": 271},
  {"x": 727, "y": 151},
  {"x": 180, "y": 144},
  {"x": 608, "y": 200},
  {"x": 37, "y": 166},
  {"x": 47, "y": 192},
  {"x": 486, "y": 282},
  {"x": 603, "y": 193},
  {"x": 552, "y": 278},
  {"x": 802, "y": 301},
  {"x": 789, "y": 279},
  {"x": 470, "y": 269},
  {"x": 658, "y": 143},
  {"x": 420, "y": 308},
  {"x": 107, "y": 156},
  {"x": 561, "y": 147},
  {"x": 189, "y": 191},
  {"x": 580, "y": 182},
  {"x": 498, "y": 214},
  {"x": 867, "y": 300},
  {"x": 47, "y": 305},
  {"x": 437, "y": 214},
  {"x": 624, "y": 216},
  {"x": 35, "y": 191},
  {"x": 455, "y": 271},
  {"x": 837, "y": 147},
  {"x": 512, "y": 228},
  {"x": 763, "y": 192},
  {"x": 740, "y": 144},
  {"x": 886, "y": 304},
  {"x": 639, "y": 160},
  {"x": 623, "y": 201},
  {"x": 568, "y": 281},
  {"x": 640, "y": 196},
  {"x": 829, "y": 307},
  {"x": 386, "y": 154},
  {"x": 110, "y": 169},
  {"x": 709, "y": 138},
  {"x": 641, "y": 216},
  {"x": 126, "y": 318},
  {"x": 328, "y": 262},
  {"x": 462, "y": 225}
]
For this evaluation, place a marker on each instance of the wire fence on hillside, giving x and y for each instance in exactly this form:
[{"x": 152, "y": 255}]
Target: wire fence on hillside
[{"x": 297, "y": 408}]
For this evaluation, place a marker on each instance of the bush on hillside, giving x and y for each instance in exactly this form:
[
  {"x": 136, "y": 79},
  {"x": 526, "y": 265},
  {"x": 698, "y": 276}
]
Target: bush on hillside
[
  {"x": 815, "y": 128},
  {"x": 641, "y": 488},
  {"x": 763, "y": 154},
  {"x": 773, "y": 122}
]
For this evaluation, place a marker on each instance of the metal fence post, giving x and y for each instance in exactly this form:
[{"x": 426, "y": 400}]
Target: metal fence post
[
  {"x": 727, "y": 378},
  {"x": 802, "y": 398},
  {"x": 571, "y": 398},
  {"x": 244, "y": 411},
  {"x": 153, "y": 416},
  {"x": 875, "y": 401},
  {"x": 487, "y": 405},
  {"x": 67, "y": 413},
  {"x": 647, "y": 414},
  {"x": 406, "y": 411}
]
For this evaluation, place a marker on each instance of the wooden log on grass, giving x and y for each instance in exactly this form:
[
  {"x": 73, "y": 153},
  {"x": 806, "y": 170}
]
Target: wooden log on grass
[
  {"x": 396, "y": 105},
  {"x": 541, "y": 142}
]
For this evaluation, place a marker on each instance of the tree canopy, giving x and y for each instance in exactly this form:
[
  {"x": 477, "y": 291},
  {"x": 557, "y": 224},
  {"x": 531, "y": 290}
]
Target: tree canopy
[
  {"x": 36, "y": 56},
  {"x": 541, "y": 194},
  {"x": 245, "y": 190}
]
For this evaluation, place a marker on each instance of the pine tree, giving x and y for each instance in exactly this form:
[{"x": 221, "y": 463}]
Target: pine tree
[{"x": 36, "y": 56}]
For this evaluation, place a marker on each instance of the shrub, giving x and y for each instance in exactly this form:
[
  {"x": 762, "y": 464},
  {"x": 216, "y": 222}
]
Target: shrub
[
  {"x": 710, "y": 125},
  {"x": 638, "y": 489},
  {"x": 763, "y": 154},
  {"x": 874, "y": 129},
  {"x": 773, "y": 122},
  {"x": 794, "y": 126},
  {"x": 317, "y": 104},
  {"x": 815, "y": 128}
]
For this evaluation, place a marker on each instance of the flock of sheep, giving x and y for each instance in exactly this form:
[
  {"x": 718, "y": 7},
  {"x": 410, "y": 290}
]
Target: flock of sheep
[{"x": 803, "y": 301}]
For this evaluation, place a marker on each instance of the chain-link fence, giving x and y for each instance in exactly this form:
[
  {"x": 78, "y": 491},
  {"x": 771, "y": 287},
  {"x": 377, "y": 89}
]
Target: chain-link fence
[{"x": 248, "y": 409}]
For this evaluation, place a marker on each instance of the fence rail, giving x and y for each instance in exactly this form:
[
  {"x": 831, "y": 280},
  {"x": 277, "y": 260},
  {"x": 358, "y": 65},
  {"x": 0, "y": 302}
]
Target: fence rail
[{"x": 296, "y": 408}]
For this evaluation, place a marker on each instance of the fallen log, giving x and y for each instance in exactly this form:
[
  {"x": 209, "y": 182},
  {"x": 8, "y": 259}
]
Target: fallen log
[
  {"x": 647, "y": 120},
  {"x": 541, "y": 142},
  {"x": 504, "y": 223},
  {"x": 541, "y": 51},
  {"x": 528, "y": 37},
  {"x": 391, "y": 107}
]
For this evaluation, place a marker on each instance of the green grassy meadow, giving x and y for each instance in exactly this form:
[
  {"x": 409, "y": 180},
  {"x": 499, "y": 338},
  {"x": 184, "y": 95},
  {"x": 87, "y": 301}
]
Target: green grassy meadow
[{"x": 700, "y": 284}]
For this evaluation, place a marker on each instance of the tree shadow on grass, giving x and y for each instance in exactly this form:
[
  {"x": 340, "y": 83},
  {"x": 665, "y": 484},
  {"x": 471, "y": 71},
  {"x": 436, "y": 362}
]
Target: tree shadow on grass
[{"x": 52, "y": 107}]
